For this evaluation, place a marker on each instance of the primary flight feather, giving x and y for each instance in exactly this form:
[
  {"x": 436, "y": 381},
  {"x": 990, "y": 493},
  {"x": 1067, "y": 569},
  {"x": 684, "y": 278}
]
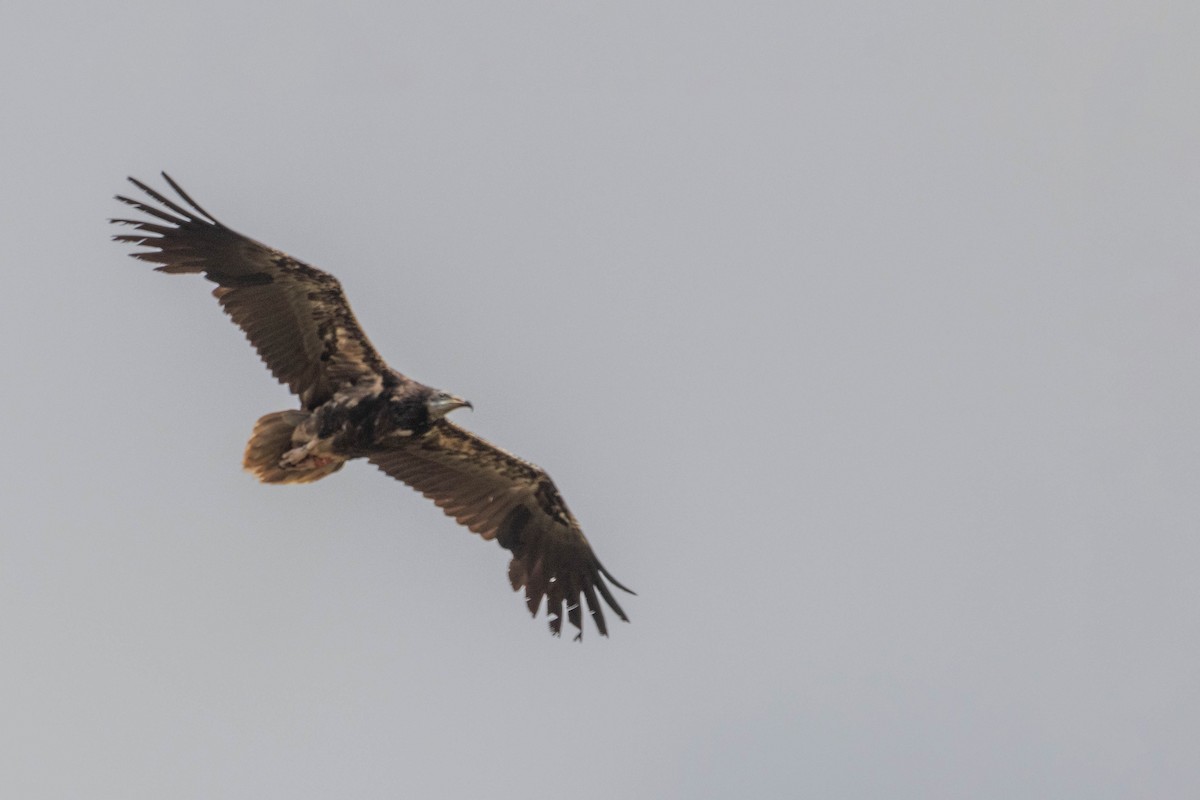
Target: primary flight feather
[{"x": 352, "y": 405}]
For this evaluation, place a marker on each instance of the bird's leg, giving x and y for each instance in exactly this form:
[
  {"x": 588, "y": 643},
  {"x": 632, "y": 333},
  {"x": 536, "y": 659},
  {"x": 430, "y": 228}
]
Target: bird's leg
[{"x": 306, "y": 456}]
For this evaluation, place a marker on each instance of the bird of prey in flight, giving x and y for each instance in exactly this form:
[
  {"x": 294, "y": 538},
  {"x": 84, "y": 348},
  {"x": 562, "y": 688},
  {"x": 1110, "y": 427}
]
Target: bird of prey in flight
[{"x": 353, "y": 405}]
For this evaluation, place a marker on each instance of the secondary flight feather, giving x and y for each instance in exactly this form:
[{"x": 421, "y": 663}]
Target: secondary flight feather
[{"x": 352, "y": 405}]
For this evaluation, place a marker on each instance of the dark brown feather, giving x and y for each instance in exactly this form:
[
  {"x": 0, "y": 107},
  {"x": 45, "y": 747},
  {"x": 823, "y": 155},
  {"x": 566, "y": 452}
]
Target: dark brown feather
[
  {"x": 499, "y": 496},
  {"x": 295, "y": 315}
]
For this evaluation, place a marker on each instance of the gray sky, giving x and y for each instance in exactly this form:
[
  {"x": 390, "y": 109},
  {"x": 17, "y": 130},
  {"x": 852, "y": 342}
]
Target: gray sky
[{"x": 860, "y": 337}]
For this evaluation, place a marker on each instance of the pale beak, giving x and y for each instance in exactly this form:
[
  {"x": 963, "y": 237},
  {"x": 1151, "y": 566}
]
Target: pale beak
[{"x": 443, "y": 405}]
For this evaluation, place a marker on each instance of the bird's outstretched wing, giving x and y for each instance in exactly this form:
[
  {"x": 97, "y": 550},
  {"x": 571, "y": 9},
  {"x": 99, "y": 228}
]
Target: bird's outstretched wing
[
  {"x": 501, "y": 497},
  {"x": 296, "y": 316}
]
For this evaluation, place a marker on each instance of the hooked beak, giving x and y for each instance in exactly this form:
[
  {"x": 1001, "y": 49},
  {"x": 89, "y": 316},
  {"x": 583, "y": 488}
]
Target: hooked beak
[{"x": 442, "y": 405}]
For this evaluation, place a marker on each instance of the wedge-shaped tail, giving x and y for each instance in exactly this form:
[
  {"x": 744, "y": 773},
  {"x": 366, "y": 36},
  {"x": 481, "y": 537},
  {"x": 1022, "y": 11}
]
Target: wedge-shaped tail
[{"x": 271, "y": 440}]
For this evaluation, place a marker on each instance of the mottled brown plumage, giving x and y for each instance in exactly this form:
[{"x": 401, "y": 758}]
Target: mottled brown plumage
[{"x": 352, "y": 405}]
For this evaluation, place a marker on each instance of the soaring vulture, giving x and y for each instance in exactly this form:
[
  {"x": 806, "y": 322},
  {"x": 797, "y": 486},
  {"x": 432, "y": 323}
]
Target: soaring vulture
[{"x": 352, "y": 405}]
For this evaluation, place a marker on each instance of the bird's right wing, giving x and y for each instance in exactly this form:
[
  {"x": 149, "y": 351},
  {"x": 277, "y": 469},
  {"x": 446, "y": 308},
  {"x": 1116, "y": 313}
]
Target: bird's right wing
[{"x": 499, "y": 496}]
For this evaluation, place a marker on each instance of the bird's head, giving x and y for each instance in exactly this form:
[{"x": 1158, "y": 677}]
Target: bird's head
[{"x": 442, "y": 403}]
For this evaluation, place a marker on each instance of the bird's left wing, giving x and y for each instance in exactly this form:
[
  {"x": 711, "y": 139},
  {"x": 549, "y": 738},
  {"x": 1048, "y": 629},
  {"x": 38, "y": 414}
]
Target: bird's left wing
[
  {"x": 499, "y": 496},
  {"x": 295, "y": 315}
]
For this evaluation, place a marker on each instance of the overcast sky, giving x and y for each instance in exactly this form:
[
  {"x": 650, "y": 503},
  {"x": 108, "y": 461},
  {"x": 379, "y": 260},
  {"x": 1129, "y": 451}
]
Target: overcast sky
[{"x": 860, "y": 337}]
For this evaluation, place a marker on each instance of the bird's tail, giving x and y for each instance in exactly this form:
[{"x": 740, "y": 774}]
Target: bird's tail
[{"x": 272, "y": 441}]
